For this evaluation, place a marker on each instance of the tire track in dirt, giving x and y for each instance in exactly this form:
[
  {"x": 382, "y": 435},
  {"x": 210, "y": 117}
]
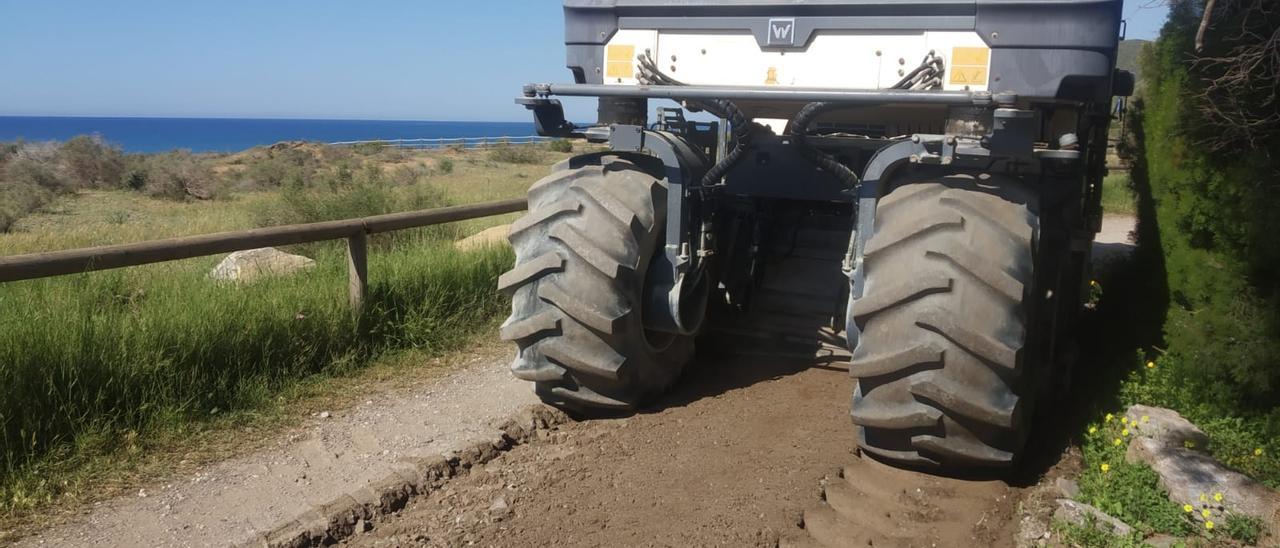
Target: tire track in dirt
[{"x": 733, "y": 457}]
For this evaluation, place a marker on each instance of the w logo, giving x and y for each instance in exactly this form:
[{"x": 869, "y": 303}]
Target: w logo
[{"x": 782, "y": 32}]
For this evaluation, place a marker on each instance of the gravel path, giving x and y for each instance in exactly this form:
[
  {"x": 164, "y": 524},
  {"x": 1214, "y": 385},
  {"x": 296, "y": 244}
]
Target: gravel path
[{"x": 231, "y": 502}]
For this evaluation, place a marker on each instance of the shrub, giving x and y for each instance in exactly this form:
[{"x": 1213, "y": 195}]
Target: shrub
[
  {"x": 89, "y": 162},
  {"x": 19, "y": 199},
  {"x": 368, "y": 149},
  {"x": 277, "y": 169},
  {"x": 516, "y": 154},
  {"x": 445, "y": 165},
  {"x": 178, "y": 175},
  {"x": 346, "y": 195},
  {"x": 560, "y": 145}
]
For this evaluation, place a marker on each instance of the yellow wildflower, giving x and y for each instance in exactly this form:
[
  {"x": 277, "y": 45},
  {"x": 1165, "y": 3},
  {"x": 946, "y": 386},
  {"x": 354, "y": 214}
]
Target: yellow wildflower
[
  {"x": 1109, "y": 417},
  {"x": 1146, "y": 418},
  {"x": 1205, "y": 512},
  {"x": 1208, "y": 525},
  {"x": 1257, "y": 452},
  {"x": 1117, "y": 442},
  {"x": 1187, "y": 508},
  {"x": 1151, "y": 365},
  {"x": 1124, "y": 420},
  {"x": 1105, "y": 468},
  {"x": 1093, "y": 429},
  {"x": 1203, "y": 498},
  {"x": 1124, "y": 432},
  {"x": 1217, "y": 497}
]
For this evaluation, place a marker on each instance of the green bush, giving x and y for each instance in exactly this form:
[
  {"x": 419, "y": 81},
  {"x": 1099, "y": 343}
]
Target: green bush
[
  {"x": 560, "y": 145},
  {"x": 445, "y": 165},
  {"x": 517, "y": 154},
  {"x": 1209, "y": 216}
]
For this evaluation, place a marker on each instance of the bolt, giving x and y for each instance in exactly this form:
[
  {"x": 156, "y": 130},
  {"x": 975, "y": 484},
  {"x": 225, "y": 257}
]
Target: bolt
[
  {"x": 902, "y": 61},
  {"x": 597, "y": 70},
  {"x": 901, "y": 72},
  {"x": 995, "y": 35},
  {"x": 704, "y": 51},
  {"x": 915, "y": 138},
  {"x": 673, "y": 58},
  {"x": 878, "y": 53},
  {"x": 673, "y": 68}
]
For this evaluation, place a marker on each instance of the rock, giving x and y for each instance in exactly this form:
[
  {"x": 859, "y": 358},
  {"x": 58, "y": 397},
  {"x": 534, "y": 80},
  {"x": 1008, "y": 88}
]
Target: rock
[
  {"x": 489, "y": 237},
  {"x": 1078, "y": 513},
  {"x": 1173, "y": 447},
  {"x": 1067, "y": 487},
  {"x": 1187, "y": 474},
  {"x": 251, "y": 264},
  {"x": 1165, "y": 426}
]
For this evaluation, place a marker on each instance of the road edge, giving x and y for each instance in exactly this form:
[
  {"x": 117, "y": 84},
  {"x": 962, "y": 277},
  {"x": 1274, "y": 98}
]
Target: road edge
[{"x": 349, "y": 513}]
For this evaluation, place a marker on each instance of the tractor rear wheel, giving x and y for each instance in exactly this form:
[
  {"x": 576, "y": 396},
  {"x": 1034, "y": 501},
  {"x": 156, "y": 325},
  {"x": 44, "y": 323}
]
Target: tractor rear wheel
[
  {"x": 941, "y": 359},
  {"x": 582, "y": 254}
]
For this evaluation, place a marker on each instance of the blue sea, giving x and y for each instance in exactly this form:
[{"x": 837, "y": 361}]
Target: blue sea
[{"x": 235, "y": 134}]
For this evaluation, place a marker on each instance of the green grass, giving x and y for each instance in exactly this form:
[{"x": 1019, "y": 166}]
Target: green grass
[
  {"x": 1117, "y": 195},
  {"x": 116, "y": 377}
]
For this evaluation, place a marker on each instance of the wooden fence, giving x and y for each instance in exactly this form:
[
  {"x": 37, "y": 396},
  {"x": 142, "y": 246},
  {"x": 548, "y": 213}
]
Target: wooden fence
[{"x": 355, "y": 231}]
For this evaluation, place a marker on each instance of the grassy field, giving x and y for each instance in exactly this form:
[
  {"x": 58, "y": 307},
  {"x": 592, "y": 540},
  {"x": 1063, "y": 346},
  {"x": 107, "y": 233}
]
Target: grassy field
[{"x": 105, "y": 374}]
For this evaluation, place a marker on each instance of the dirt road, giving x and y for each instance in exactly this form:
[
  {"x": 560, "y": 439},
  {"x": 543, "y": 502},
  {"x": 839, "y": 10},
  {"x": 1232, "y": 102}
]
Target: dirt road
[
  {"x": 734, "y": 457},
  {"x": 747, "y": 451}
]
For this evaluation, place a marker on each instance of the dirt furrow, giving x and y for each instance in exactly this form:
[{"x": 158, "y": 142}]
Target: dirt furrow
[{"x": 734, "y": 457}]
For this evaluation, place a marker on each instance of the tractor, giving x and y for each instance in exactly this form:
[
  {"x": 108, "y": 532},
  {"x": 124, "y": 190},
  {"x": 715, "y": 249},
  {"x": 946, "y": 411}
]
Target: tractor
[{"x": 912, "y": 186}]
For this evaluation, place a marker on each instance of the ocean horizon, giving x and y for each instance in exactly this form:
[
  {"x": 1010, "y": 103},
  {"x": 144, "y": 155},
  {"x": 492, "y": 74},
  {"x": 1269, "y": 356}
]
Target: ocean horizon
[{"x": 160, "y": 134}]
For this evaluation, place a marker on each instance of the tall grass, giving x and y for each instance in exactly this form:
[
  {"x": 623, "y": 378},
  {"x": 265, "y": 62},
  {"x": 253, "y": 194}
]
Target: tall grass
[{"x": 91, "y": 363}]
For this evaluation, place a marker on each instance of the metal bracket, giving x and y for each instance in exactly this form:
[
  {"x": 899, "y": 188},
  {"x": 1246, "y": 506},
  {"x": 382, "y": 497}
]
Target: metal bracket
[{"x": 675, "y": 296}]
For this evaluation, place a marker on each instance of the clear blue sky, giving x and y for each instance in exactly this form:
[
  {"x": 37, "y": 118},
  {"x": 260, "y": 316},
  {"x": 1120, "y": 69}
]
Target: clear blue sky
[{"x": 410, "y": 59}]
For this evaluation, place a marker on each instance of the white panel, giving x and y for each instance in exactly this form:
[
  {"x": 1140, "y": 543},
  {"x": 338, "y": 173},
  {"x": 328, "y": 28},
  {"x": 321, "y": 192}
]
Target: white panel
[{"x": 848, "y": 60}]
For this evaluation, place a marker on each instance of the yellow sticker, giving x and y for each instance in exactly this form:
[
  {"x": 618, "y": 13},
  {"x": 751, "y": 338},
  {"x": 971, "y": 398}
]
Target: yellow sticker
[
  {"x": 969, "y": 66},
  {"x": 619, "y": 61}
]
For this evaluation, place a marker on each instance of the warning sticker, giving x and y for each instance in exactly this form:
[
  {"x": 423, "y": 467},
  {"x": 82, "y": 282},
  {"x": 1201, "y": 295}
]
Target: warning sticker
[
  {"x": 619, "y": 61},
  {"x": 969, "y": 66}
]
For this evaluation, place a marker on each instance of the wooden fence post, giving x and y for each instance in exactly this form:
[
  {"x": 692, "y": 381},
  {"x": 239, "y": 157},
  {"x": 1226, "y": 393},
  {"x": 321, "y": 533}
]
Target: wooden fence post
[{"x": 357, "y": 269}]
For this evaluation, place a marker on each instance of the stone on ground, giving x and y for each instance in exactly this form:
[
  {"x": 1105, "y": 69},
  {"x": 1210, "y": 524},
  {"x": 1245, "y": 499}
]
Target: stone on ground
[
  {"x": 251, "y": 264},
  {"x": 1172, "y": 446},
  {"x": 489, "y": 237},
  {"x": 1079, "y": 513}
]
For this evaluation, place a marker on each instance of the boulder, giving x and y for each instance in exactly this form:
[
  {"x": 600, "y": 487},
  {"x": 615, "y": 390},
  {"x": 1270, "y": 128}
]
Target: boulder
[
  {"x": 251, "y": 264},
  {"x": 489, "y": 237},
  {"x": 1172, "y": 446},
  {"x": 1079, "y": 513},
  {"x": 1165, "y": 426}
]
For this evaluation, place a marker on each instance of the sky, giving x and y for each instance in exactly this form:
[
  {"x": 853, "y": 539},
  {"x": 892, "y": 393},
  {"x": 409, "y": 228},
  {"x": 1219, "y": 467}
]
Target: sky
[{"x": 377, "y": 59}]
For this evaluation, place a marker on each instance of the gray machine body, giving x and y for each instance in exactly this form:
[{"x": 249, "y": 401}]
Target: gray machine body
[{"x": 1063, "y": 49}]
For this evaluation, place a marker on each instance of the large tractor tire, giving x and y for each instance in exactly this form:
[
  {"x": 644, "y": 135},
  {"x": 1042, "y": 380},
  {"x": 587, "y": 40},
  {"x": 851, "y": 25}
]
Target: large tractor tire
[
  {"x": 942, "y": 354},
  {"x": 582, "y": 253}
]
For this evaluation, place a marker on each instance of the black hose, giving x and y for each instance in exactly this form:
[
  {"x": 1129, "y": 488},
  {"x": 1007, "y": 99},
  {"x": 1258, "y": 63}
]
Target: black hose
[{"x": 650, "y": 74}]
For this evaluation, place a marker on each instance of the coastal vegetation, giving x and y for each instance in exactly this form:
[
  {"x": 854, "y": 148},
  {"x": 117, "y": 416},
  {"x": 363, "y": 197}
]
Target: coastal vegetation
[
  {"x": 106, "y": 374},
  {"x": 1192, "y": 321}
]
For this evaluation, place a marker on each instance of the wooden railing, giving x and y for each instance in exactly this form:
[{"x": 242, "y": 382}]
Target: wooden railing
[{"x": 355, "y": 231}]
